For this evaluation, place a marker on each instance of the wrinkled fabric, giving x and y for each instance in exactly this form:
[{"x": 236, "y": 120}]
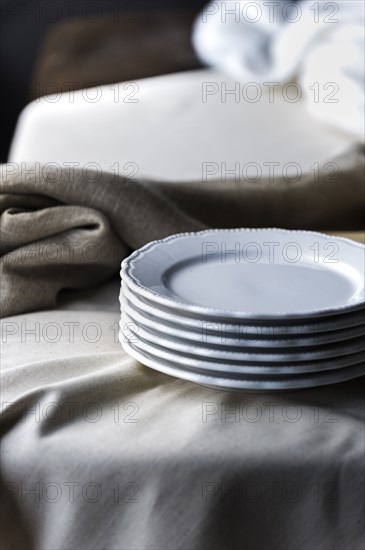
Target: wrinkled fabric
[
  {"x": 62, "y": 229},
  {"x": 100, "y": 452},
  {"x": 319, "y": 44}
]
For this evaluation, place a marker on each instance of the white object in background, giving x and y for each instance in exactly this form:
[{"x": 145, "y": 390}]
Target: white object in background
[
  {"x": 319, "y": 43},
  {"x": 179, "y": 129}
]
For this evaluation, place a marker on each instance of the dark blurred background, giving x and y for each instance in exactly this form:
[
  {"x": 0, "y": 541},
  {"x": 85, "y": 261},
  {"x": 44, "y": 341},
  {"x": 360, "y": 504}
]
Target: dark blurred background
[{"x": 47, "y": 46}]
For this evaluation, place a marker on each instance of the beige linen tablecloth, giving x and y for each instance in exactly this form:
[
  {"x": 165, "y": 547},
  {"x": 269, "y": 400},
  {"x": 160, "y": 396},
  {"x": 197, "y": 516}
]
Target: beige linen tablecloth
[{"x": 100, "y": 452}]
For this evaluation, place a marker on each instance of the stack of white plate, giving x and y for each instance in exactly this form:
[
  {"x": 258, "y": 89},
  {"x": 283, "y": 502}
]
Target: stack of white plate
[{"x": 247, "y": 309}]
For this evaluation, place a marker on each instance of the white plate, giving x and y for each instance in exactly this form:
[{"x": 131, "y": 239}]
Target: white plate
[
  {"x": 180, "y": 320},
  {"x": 250, "y": 274},
  {"x": 242, "y": 384},
  {"x": 244, "y": 367},
  {"x": 240, "y": 340},
  {"x": 251, "y": 354}
]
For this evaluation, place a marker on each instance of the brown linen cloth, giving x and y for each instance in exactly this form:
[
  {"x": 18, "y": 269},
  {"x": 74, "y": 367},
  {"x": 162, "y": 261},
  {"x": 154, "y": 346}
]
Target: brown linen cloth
[{"x": 63, "y": 228}]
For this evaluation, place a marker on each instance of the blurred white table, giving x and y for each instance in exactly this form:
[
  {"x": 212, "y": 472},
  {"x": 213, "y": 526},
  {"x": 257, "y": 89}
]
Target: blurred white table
[{"x": 175, "y": 127}]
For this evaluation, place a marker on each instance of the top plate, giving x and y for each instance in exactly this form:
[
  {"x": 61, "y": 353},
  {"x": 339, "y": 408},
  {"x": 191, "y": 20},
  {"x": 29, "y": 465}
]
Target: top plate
[{"x": 250, "y": 274}]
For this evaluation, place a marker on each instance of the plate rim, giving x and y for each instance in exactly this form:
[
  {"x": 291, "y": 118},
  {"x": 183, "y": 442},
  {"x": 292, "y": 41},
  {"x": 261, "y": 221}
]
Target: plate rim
[
  {"x": 261, "y": 356},
  {"x": 268, "y": 385},
  {"x": 294, "y": 341},
  {"x": 171, "y": 303},
  {"x": 306, "y": 367},
  {"x": 194, "y": 323}
]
